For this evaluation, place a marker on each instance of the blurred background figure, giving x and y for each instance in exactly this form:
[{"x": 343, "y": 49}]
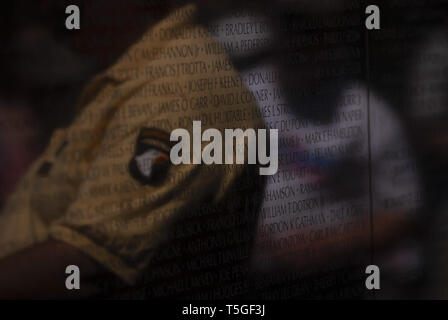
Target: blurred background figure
[
  {"x": 39, "y": 75},
  {"x": 351, "y": 188}
]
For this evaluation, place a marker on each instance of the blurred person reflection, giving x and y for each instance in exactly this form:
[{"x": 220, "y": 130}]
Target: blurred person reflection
[
  {"x": 321, "y": 77},
  {"x": 104, "y": 196}
]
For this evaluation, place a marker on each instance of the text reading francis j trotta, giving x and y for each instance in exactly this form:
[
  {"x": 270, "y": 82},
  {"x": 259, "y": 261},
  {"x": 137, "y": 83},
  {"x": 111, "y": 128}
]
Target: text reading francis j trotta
[{"x": 234, "y": 147}]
